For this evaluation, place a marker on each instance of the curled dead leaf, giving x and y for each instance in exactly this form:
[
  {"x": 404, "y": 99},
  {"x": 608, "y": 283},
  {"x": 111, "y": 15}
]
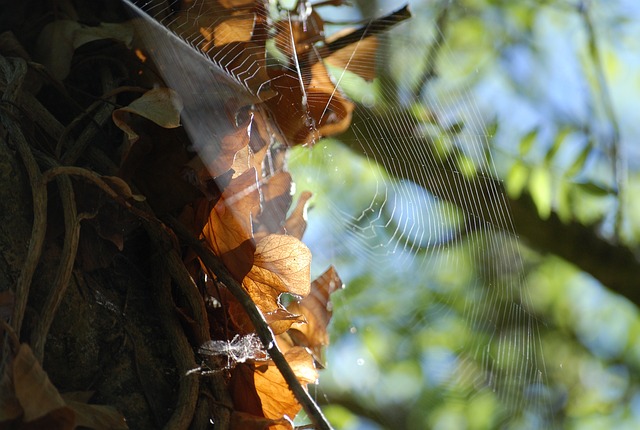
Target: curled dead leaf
[
  {"x": 159, "y": 105},
  {"x": 229, "y": 230},
  {"x": 59, "y": 39},
  {"x": 296, "y": 224},
  {"x": 33, "y": 389},
  {"x": 317, "y": 310},
  {"x": 276, "y": 397}
]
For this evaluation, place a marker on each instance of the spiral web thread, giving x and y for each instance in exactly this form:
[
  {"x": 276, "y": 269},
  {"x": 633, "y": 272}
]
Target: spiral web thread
[{"x": 432, "y": 202}]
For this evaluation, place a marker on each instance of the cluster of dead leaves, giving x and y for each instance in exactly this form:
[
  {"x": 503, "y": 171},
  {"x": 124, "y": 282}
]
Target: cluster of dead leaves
[
  {"x": 246, "y": 213},
  {"x": 28, "y": 399}
]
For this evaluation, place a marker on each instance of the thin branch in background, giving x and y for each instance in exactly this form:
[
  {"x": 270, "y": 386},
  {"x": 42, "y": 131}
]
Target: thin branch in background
[
  {"x": 432, "y": 54},
  {"x": 615, "y": 148}
]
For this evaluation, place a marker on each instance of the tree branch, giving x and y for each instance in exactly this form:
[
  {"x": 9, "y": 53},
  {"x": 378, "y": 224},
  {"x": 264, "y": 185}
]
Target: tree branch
[
  {"x": 262, "y": 328},
  {"x": 614, "y": 265}
]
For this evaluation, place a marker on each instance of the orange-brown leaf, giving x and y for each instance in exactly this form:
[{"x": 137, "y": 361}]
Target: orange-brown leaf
[
  {"x": 229, "y": 230},
  {"x": 275, "y": 396},
  {"x": 296, "y": 224},
  {"x": 317, "y": 310},
  {"x": 234, "y": 30},
  {"x": 358, "y": 57},
  {"x": 244, "y": 421},
  {"x": 281, "y": 265},
  {"x": 276, "y": 198}
]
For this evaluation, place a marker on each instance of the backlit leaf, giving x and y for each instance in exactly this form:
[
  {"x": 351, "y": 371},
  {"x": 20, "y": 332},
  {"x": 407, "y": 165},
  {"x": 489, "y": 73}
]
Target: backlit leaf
[
  {"x": 276, "y": 398},
  {"x": 317, "y": 310},
  {"x": 229, "y": 230}
]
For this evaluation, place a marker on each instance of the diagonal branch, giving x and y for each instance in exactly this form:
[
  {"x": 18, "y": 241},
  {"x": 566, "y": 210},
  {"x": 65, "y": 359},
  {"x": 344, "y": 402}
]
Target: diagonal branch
[
  {"x": 260, "y": 324},
  {"x": 614, "y": 265}
]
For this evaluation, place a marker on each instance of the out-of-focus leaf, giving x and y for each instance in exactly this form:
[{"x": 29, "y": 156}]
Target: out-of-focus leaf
[
  {"x": 229, "y": 229},
  {"x": 295, "y": 37},
  {"x": 232, "y": 30},
  {"x": 159, "y": 105},
  {"x": 527, "y": 142},
  {"x": 541, "y": 192},
  {"x": 59, "y": 39},
  {"x": 33, "y": 389},
  {"x": 517, "y": 179},
  {"x": 580, "y": 160},
  {"x": 557, "y": 144},
  {"x": 317, "y": 310},
  {"x": 358, "y": 57},
  {"x": 563, "y": 201},
  {"x": 597, "y": 190}
]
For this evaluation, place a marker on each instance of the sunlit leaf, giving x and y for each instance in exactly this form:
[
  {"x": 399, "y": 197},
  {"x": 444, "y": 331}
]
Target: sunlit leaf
[
  {"x": 277, "y": 399},
  {"x": 517, "y": 179},
  {"x": 244, "y": 421},
  {"x": 527, "y": 142},
  {"x": 317, "y": 310},
  {"x": 541, "y": 192},
  {"x": 229, "y": 230},
  {"x": 296, "y": 224}
]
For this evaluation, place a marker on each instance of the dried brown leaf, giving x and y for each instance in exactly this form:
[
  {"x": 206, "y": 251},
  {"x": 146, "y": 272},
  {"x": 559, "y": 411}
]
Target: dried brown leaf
[
  {"x": 97, "y": 417},
  {"x": 33, "y": 389},
  {"x": 275, "y": 396},
  {"x": 317, "y": 310},
  {"x": 234, "y": 30},
  {"x": 358, "y": 57},
  {"x": 159, "y": 105},
  {"x": 229, "y": 230},
  {"x": 296, "y": 224},
  {"x": 244, "y": 421},
  {"x": 276, "y": 201}
]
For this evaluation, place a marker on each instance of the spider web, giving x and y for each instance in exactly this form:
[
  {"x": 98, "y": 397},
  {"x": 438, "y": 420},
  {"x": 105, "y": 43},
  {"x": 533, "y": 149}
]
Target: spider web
[{"x": 406, "y": 202}]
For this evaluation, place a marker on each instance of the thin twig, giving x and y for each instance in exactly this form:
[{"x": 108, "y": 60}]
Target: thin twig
[
  {"x": 617, "y": 158},
  {"x": 259, "y": 322}
]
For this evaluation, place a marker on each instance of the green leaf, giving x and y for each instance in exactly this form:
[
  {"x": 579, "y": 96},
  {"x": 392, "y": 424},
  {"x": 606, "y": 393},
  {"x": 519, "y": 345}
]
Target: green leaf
[
  {"x": 564, "y": 201},
  {"x": 580, "y": 161},
  {"x": 557, "y": 144},
  {"x": 527, "y": 142},
  {"x": 540, "y": 187},
  {"x": 596, "y": 190},
  {"x": 517, "y": 179}
]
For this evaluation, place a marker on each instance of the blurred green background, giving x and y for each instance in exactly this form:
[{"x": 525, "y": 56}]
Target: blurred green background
[{"x": 543, "y": 97}]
